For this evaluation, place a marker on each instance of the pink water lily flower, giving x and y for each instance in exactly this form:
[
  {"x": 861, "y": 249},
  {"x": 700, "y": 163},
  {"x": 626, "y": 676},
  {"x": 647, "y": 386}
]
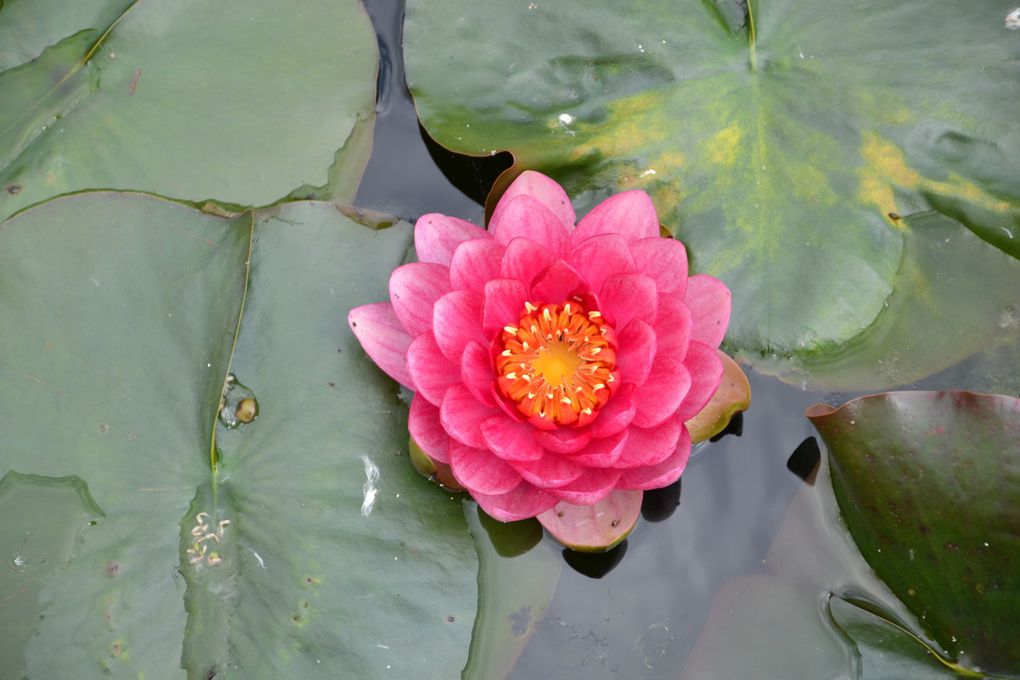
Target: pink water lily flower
[{"x": 550, "y": 362}]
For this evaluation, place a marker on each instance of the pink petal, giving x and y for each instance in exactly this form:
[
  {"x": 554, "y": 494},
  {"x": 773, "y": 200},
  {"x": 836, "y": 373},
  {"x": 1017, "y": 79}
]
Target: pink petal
[
  {"x": 524, "y": 260},
  {"x": 543, "y": 189},
  {"x": 636, "y": 352},
  {"x": 523, "y": 502},
  {"x": 628, "y": 296},
  {"x": 511, "y": 440},
  {"x": 477, "y": 373},
  {"x": 664, "y": 260},
  {"x": 672, "y": 327},
  {"x": 603, "y": 452},
  {"x": 427, "y": 431},
  {"x": 456, "y": 321},
  {"x": 661, "y": 474},
  {"x": 383, "y": 338},
  {"x": 629, "y": 214},
  {"x": 706, "y": 369},
  {"x": 479, "y": 470},
  {"x": 551, "y": 470},
  {"x": 564, "y": 439},
  {"x": 437, "y": 236},
  {"x": 474, "y": 263},
  {"x": 616, "y": 414},
  {"x": 525, "y": 216},
  {"x": 652, "y": 445},
  {"x": 662, "y": 393},
  {"x": 557, "y": 284},
  {"x": 708, "y": 298},
  {"x": 591, "y": 487},
  {"x": 504, "y": 303},
  {"x": 431, "y": 372},
  {"x": 462, "y": 416},
  {"x": 600, "y": 257},
  {"x": 414, "y": 290}
]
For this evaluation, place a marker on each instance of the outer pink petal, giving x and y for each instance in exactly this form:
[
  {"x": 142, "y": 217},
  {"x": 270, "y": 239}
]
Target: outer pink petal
[
  {"x": 456, "y": 321},
  {"x": 431, "y": 372},
  {"x": 661, "y": 474},
  {"x": 474, "y": 263},
  {"x": 525, "y": 216},
  {"x": 462, "y": 416},
  {"x": 437, "y": 236},
  {"x": 551, "y": 470},
  {"x": 603, "y": 452},
  {"x": 414, "y": 290},
  {"x": 544, "y": 190},
  {"x": 384, "y": 339},
  {"x": 629, "y": 214},
  {"x": 672, "y": 327},
  {"x": 480, "y": 470},
  {"x": 504, "y": 303},
  {"x": 557, "y": 284},
  {"x": 662, "y": 393},
  {"x": 523, "y": 502},
  {"x": 524, "y": 260},
  {"x": 616, "y": 414},
  {"x": 628, "y": 296},
  {"x": 706, "y": 369},
  {"x": 427, "y": 431},
  {"x": 477, "y": 374},
  {"x": 565, "y": 439},
  {"x": 510, "y": 440},
  {"x": 664, "y": 260},
  {"x": 636, "y": 353},
  {"x": 600, "y": 257},
  {"x": 591, "y": 487},
  {"x": 708, "y": 298},
  {"x": 649, "y": 446}
]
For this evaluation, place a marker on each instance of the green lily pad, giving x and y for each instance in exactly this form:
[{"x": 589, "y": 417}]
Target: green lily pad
[
  {"x": 241, "y": 102},
  {"x": 928, "y": 485},
  {"x": 311, "y": 546},
  {"x": 781, "y": 150},
  {"x": 514, "y": 594},
  {"x": 955, "y": 295},
  {"x": 886, "y": 651}
]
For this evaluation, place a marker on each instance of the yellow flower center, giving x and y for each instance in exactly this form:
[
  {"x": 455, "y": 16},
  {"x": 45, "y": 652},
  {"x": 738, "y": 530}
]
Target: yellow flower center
[{"x": 557, "y": 363}]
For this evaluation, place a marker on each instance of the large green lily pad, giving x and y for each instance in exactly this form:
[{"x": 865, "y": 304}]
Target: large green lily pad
[
  {"x": 242, "y": 102},
  {"x": 781, "y": 149},
  {"x": 312, "y": 547},
  {"x": 929, "y": 486}
]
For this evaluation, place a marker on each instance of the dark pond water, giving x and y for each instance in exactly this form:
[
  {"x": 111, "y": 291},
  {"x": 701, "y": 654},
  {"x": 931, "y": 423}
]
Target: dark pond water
[{"x": 642, "y": 618}]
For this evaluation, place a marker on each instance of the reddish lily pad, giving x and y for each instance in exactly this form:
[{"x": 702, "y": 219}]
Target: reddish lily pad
[
  {"x": 929, "y": 487},
  {"x": 732, "y": 397},
  {"x": 594, "y": 528}
]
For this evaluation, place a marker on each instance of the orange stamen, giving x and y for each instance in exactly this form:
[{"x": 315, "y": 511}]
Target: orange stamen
[{"x": 557, "y": 363}]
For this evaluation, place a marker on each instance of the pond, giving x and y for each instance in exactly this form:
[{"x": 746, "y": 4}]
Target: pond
[
  {"x": 204, "y": 471},
  {"x": 702, "y": 557}
]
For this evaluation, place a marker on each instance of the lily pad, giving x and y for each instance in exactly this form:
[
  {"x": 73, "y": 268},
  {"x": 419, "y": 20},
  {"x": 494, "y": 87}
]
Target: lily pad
[
  {"x": 597, "y": 527},
  {"x": 184, "y": 99},
  {"x": 732, "y": 397},
  {"x": 955, "y": 295},
  {"x": 514, "y": 595},
  {"x": 928, "y": 484},
  {"x": 887, "y": 652},
  {"x": 310, "y": 546},
  {"x": 781, "y": 150}
]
